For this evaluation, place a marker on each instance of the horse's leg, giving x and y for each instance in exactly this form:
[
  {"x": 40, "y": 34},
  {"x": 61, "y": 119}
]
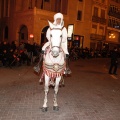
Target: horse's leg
[
  {"x": 55, "y": 105},
  {"x": 62, "y": 82},
  {"x": 46, "y": 89},
  {"x": 41, "y": 79}
]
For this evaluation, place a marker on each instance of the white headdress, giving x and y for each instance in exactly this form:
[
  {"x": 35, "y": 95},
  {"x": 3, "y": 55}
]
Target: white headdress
[{"x": 58, "y": 15}]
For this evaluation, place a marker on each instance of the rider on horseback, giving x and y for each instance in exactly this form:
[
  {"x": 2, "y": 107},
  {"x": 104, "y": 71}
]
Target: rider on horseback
[{"x": 58, "y": 21}]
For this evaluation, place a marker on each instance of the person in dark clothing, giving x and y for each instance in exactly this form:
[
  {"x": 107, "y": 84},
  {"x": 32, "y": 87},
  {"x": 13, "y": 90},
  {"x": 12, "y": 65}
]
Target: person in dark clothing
[
  {"x": 114, "y": 62},
  {"x": 24, "y": 57},
  {"x": 10, "y": 56},
  {"x": 5, "y": 46},
  {"x": 4, "y": 58},
  {"x": 17, "y": 58},
  {"x": 1, "y": 51},
  {"x": 13, "y": 45}
]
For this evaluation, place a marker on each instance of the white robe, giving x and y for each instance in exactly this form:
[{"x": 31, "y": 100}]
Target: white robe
[{"x": 64, "y": 34}]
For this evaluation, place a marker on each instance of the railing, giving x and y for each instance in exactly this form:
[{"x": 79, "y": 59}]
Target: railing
[
  {"x": 98, "y": 20},
  {"x": 114, "y": 14},
  {"x": 97, "y": 37},
  {"x": 115, "y": 27},
  {"x": 117, "y": 1}
]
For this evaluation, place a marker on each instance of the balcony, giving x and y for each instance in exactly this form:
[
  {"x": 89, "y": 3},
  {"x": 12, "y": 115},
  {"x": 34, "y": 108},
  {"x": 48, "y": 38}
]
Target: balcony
[
  {"x": 114, "y": 26},
  {"x": 114, "y": 14},
  {"x": 97, "y": 37},
  {"x": 117, "y": 1},
  {"x": 98, "y": 20}
]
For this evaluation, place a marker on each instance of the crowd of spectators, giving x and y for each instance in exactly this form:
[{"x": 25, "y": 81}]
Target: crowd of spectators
[
  {"x": 76, "y": 53},
  {"x": 12, "y": 55}
]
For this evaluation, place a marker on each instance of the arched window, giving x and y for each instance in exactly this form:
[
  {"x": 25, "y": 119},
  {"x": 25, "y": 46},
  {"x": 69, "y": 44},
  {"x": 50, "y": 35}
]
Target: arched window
[
  {"x": 6, "y": 32},
  {"x": 23, "y": 34}
]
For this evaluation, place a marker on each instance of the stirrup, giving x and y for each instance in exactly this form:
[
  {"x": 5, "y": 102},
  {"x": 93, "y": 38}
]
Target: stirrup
[{"x": 36, "y": 68}]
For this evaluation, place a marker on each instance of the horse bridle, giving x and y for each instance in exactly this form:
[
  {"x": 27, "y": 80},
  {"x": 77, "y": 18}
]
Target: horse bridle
[{"x": 60, "y": 36}]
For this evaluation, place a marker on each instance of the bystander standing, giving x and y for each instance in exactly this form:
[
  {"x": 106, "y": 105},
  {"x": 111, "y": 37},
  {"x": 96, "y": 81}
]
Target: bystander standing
[{"x": 114, "y": 62}]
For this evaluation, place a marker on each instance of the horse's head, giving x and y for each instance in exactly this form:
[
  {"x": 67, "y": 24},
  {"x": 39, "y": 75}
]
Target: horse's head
[{"x": 55, "y": 39}]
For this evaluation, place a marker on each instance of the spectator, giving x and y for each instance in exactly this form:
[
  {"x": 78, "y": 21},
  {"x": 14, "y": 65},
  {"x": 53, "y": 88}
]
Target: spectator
[
  {"x": 114, "y": 62},
  {"x": 4, "y": 57}
]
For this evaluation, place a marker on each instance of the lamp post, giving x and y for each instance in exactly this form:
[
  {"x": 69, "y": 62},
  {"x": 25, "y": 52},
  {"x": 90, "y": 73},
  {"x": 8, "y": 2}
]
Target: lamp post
[{"x": 32, "y": 38}]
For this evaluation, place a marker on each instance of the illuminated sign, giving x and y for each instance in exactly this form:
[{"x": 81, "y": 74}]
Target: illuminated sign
[
  {"x": 76, "y": 37},
  {"x": 70, "y": 31}
]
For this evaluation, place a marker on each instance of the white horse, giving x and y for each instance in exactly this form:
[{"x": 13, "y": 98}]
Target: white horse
[{"x": 53, "y": 64}]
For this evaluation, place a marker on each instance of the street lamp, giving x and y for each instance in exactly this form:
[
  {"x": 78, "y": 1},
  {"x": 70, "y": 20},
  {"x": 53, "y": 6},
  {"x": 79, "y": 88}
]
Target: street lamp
[
  {"x": 111, "y": 35},
  {"x": 32, "y": 37}
]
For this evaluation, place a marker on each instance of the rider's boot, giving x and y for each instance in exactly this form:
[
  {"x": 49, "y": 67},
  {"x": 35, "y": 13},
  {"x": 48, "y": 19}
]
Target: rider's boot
[
  {"x": 38, "y": 66},
  {"x": 41, "y": 58},
  {"x": 67, "y": 71}
]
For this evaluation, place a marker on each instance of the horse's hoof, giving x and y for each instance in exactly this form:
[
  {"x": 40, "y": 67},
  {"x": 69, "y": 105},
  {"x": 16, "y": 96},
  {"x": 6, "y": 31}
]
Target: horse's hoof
[
  {"x": 56, "y": 108},
  {"x": 62, "y": 85},
  {"x": 44, "y": 109},
  {"x": 51, "y": 86}
]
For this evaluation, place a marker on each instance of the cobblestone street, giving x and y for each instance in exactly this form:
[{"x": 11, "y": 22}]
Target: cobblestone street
[{"x": 90, "y": 93}]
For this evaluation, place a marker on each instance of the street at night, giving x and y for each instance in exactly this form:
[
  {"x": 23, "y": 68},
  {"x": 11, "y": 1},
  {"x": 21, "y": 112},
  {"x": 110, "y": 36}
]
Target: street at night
[
  {"x": 90, "y": 93},
  {"x": 49, "y": 34}
]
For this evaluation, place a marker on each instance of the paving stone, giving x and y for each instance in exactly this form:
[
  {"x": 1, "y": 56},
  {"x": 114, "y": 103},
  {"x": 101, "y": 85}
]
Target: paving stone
[{"x": 90, "y": 93}]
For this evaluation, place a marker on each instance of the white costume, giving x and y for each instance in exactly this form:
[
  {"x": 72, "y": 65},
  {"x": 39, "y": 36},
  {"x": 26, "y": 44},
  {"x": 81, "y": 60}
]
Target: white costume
[{"x": 64, "y": 34}]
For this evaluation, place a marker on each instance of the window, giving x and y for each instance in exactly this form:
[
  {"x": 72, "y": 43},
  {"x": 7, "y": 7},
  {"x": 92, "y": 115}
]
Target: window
[
  {"x": 79, "y": 15},
  {"x": 95, "y": 11},
  {"x": 22, "y": 36},
  {"x": 94, "y": 26},
  {"x": 64, "y": 6},
  {"x": 102, "y": 13},
  {"x": 101, "y": 30},
  {"x": 57, "y": 5},
  {"x": 94, "y": 29},
  {"x": 114, "y": 23}
]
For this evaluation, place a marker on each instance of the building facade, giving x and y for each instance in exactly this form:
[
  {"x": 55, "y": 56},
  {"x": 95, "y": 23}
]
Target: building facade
[
  {"x": 99, "y": 24},
  {"x": 27, "y": 20},
  {"x": 113, "y": 24}
]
